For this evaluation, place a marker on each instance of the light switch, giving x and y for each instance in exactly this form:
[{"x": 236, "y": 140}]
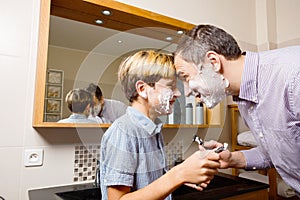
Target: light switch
[{"x": 33, "y": 157}]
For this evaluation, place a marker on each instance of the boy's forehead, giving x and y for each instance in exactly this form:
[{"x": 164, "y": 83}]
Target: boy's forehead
[{"x": 167, "y": 80}]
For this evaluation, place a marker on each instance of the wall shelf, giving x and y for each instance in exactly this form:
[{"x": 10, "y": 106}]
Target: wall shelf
[{"x": 185, "y": 126}]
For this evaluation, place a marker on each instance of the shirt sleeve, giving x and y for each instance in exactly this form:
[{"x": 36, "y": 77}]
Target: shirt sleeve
[
  {"x": 118, "y": 157},
  {"x": 256, "y": 158},
  {"x": 294, "y": 96}
]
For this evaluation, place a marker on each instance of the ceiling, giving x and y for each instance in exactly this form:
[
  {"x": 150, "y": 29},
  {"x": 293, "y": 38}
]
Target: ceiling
[{"x": 81, "y": 36}]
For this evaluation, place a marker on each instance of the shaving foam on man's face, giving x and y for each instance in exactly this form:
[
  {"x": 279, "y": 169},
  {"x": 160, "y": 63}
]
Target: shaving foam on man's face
[{"x": 210, "y": 84}]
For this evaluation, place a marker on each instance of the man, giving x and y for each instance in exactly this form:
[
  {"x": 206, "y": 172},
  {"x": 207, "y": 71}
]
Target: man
[{"x": 266, "y": 87}]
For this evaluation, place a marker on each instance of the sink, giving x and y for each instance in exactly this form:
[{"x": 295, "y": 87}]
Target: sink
[
  {"x": 84, "y": 194},
  {"x": 222, "y": 186},
  {"x": 216, "y": 183}
]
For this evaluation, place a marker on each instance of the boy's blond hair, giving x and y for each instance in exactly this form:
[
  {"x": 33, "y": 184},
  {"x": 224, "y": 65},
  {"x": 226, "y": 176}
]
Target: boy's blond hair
[{"x": 146, "y": 65}]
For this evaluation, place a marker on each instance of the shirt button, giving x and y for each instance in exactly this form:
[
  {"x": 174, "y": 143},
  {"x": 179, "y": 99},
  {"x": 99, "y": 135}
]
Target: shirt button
[{"x": 261, "y": 135}]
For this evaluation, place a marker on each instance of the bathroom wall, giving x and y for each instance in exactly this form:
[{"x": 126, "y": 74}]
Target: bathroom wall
[{"x": 272, "y": 24}]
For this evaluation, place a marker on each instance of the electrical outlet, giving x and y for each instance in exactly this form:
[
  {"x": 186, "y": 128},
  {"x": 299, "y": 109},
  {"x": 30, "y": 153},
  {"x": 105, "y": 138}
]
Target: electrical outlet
[{"x": 33, "y": 157}]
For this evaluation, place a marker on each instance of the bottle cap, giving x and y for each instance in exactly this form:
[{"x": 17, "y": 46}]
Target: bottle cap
[
  {"x": 189, "y": 105},
  {"x": 200, "y": 104}
]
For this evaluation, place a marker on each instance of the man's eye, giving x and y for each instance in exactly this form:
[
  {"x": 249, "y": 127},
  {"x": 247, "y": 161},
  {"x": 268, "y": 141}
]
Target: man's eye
[{"x": 183, "y": 77}]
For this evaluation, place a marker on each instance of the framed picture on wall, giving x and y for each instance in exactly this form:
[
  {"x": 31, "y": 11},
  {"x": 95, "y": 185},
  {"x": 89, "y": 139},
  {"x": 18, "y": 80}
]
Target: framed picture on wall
[
  {"x": 52, "y": 117},
  {"x": 54, "y": 91},
  {"x": 54, "y": 76},
  {"x": 53, "y": 106}
]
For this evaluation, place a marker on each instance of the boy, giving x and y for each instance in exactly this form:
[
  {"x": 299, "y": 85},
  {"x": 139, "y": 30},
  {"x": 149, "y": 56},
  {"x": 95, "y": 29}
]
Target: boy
[
  {"x": 79, "y": 101},
  {"x": 133, "y": 163}
]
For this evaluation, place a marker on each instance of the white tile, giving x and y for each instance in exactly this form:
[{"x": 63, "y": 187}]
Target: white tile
[
  {"x": 10, "y": 173},
  {"x": 14, "y": 38}
]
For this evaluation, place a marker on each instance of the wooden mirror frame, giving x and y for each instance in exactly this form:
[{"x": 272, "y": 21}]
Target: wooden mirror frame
[{"x": 87, "y": 11}]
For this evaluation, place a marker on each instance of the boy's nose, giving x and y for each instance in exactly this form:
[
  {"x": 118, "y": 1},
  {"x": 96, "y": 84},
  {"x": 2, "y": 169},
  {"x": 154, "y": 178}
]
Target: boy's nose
[{"x": 177, "y": 93}]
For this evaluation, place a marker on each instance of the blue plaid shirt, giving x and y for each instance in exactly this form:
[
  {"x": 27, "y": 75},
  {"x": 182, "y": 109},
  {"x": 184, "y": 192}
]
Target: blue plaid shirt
[
  {"x": 132, "y": 152},
  {"x": 269, "y": 102}
]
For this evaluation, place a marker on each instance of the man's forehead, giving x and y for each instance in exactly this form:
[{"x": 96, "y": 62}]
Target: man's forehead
[{"x": 180, "y": 69}]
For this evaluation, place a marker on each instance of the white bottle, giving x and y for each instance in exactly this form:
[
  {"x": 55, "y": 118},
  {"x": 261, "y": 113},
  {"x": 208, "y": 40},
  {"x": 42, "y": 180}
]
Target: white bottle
[
  {"x": 171, "y": 118},
  {"x": 199, "y": 118},
  {"x": 189, "y": 113}
]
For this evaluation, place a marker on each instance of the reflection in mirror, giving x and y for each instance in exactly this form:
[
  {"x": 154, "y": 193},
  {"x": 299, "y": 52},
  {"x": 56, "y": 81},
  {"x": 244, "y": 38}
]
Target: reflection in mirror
[{"x": 80, "y": 52}]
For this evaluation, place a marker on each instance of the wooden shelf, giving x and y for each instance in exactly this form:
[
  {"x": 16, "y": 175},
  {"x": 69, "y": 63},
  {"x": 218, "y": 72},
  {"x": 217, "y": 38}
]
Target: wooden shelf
[
  {"x": 238, "y": 148},
  {"x": 81, "y": 125},
  {"x": 232, "y": 106},
  {"x": 185, "y": 126}
]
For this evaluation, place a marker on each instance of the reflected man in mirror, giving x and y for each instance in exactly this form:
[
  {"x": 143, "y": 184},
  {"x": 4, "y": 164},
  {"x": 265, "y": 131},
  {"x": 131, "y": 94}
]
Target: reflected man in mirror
[{"x": 104, "y": 110}]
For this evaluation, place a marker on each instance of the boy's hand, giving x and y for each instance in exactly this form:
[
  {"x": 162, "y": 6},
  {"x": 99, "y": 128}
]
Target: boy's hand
[{"x": 200, "y": 167}]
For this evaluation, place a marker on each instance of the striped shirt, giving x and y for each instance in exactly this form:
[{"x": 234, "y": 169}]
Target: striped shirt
[
  {"x": 132, "y": 152},
  {"x": 269, "y": 102}
]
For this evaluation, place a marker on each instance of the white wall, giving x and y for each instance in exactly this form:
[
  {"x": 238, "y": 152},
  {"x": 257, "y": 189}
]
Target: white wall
[
  {"x": 288, "y": 23},
  {"x": 17, "y": 60},
  {"x": 235, "y": 16},
  {"x": 18, "y": 51}
]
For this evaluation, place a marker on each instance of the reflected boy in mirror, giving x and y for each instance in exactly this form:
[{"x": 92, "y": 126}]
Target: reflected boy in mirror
[
  {"x": 132, "y": 160},
  {"x": 78, "y": 101}
]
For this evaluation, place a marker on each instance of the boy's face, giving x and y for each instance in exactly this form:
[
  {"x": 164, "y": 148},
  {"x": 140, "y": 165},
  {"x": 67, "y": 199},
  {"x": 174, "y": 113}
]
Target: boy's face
[{"x": 162, "y": 96}]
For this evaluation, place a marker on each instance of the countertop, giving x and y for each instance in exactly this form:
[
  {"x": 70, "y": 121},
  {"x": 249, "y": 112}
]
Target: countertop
[{"x": 222, "y": 186}]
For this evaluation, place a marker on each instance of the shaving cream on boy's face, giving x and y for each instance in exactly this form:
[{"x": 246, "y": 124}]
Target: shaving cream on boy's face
[
  {"x": 210, "y": 84},
  {"x": 162, "y": 100},
  {"x": 164, "y": 106}
]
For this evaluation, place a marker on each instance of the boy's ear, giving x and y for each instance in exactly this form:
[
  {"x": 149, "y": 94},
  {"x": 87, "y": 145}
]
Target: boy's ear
[
  {"x": 214, "y": 59},
  {"x": 141, "y": 88}
]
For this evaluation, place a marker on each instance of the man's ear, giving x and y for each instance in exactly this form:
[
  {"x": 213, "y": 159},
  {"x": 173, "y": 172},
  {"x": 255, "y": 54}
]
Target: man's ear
[
  {"x": 140, "y": 87},
  {"x": 214, "y": 59}
]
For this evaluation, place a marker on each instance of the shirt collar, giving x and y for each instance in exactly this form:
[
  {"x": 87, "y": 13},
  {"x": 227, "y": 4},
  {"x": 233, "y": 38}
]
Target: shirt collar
[
  {"x": 77, "y": 116},
  {"x": 143, "y": 121},
  {"x": 248, "y": 88}
]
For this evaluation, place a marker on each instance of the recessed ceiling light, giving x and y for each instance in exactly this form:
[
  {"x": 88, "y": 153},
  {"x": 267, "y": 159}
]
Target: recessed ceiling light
[
  {"x": 180, "y": 32},
  {"x": 99, "y": 21},
  {"x": 169, "y": 38},
  {"x": 106, "y": 12},
  {"x": 120, "y": 41}
]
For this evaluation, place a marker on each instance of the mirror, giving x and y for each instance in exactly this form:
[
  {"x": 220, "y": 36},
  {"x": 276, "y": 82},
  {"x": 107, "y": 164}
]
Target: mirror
[{"x": 74, "y": 51}]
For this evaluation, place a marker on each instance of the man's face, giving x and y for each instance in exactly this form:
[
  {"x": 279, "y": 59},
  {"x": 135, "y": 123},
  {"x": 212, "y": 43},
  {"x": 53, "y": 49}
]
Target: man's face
[
  {"x": 162, "y": 96},
  {"x": 201, "y": 81}
]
